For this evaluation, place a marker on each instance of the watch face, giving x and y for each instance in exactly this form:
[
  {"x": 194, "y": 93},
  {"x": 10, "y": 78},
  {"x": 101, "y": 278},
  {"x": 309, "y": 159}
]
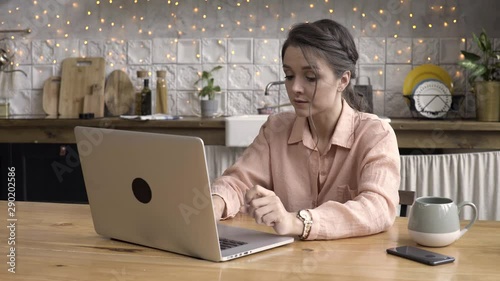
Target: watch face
[{"x": 305, "y": 214}]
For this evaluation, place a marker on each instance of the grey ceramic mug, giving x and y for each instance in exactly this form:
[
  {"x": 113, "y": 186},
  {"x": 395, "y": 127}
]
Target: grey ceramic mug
[{"x": 435, "y": 222}]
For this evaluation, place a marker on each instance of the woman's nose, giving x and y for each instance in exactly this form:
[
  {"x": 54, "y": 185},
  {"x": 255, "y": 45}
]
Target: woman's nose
[{"x": 296, "y": 86}]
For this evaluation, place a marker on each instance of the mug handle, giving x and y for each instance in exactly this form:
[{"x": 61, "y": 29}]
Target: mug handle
[{"x": 473, "y": 220}]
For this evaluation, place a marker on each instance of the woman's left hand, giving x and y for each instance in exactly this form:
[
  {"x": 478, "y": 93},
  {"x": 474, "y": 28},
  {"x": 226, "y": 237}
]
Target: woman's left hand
[{"x": 266, "y": 208}]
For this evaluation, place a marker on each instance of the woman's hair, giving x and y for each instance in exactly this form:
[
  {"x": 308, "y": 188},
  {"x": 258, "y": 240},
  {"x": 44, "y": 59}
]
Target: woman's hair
[{"x": 331, "y": 41}]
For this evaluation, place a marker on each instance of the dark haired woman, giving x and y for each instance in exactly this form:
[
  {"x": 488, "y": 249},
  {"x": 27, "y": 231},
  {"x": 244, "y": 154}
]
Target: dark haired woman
[{"x": 327, "y": 171}]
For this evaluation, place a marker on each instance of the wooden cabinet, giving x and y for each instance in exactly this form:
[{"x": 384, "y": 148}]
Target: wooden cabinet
[{"x": 44, "y": 172}]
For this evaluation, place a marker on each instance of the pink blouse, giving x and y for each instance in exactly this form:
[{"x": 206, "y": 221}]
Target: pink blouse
[{"x": 351, "y": 190}]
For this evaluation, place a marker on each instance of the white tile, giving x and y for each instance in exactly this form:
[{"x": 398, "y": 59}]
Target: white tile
[
  {"x": 240, "y": 77},
  {"x": 260, "y": 100},
  {"x": 376, "y": 74},
  {"x": 399, "y": 50},
  {"x": 458, "y": 77},
  {"x": 172, "y": 103},
  {"x": 21, "y": 50},
  {"x": 43, "y": 51},
  {"x": 267, "y": 51},
  {"x": 240, "y": 50},
  {"x": 37, "y": 102},
  {"x": 379, "y": 103},
  {"x": 165, "y": 50},
  {"x": 187, "y": 103},
  {"x": 425, "y": 50},
  {"x": 265, "y": 74},
  {"x": 139, "y": 52},
  {"x": 188, "y": 51},
  {"x": 91, "y": 48},
  {"x": 240, "y": 103},
  {"x": 186, "y": 76},
  {"x": 372, "y": 50},
  {"x": 395, "y": 105},
  {"x": 449, "y": 50},
  {"x": 395, "y": 76},
  {"x": 20, "y": 103},
  {"x": 40, "y": 73},
  {"x": 115, "y": 53},
  {"x": 214, "y": 50}
]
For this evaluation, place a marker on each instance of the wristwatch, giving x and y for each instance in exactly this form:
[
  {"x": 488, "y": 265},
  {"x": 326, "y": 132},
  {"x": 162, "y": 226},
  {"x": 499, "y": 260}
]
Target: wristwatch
[{"x": 306, "y": 218}]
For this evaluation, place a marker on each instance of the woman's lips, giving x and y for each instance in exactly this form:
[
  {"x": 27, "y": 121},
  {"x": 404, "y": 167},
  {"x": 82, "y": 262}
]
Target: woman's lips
[{"x": 297, "y": 101}]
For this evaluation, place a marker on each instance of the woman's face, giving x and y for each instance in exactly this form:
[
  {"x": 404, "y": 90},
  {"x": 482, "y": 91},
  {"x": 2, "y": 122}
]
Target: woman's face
[{"x": 301, "y": 78}]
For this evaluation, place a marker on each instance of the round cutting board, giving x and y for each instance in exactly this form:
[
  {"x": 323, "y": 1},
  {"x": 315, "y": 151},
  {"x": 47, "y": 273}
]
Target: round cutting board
[
  {"x": 118, "y": 93},
  {"x": 50, "y": 95}
]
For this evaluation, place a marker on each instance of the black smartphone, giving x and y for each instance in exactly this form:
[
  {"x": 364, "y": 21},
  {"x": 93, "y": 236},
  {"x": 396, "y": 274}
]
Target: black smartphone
[{"x": 420, "y": 255}]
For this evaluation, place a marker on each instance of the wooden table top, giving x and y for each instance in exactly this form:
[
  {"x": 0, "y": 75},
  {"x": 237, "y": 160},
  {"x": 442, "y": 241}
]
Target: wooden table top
[{"x": 58, "y": 242}]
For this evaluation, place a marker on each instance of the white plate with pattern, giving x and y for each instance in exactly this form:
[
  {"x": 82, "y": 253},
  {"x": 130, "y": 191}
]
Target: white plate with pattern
[{"x": 432, "y": 99}]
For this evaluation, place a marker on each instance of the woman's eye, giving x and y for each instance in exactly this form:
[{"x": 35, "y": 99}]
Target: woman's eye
[
  {"x": 311, "y": 79},
  {"x": 288, "y": 77}
]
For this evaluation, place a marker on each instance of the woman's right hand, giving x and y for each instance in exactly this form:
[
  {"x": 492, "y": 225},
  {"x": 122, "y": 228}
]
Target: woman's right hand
[{"x": 219, "y": 206}]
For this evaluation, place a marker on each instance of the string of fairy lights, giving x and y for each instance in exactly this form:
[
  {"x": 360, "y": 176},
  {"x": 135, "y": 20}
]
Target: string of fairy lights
[{"x": 120, "y": 18}]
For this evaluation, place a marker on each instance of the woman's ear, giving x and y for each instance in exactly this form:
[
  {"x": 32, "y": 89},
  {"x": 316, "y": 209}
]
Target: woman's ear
[{"x": 344, "y": 80}]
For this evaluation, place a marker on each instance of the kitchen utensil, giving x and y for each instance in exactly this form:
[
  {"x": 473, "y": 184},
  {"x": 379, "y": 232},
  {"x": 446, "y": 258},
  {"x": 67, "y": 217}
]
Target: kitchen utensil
[
  {"x": 426, "y": 72},
  {"x": 432, "y": 99},
  {"x": 118, "y": 93},
  {"x": 364, "y": 88},
  {"x": 50, "y": 95},
  {"x": 79, "y": 75},
  {"x": 94, "y": 103}
]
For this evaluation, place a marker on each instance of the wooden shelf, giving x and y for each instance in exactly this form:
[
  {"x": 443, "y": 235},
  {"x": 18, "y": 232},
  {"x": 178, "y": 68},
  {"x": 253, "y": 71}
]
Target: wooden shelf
[{"x": 411, "y": 133}]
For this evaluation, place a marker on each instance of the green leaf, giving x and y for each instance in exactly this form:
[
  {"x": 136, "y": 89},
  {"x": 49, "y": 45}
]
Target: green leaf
[
  {"x": 217, "y": 89},
  {"x": 480, "y": 70},
  {"x": 216, "y": 68},
  {"x": 478, "y": 42},
  {"x": 470, "y": 56},
  {"x": 485, "y": 41},
  {"x": 469, "y": 65}
]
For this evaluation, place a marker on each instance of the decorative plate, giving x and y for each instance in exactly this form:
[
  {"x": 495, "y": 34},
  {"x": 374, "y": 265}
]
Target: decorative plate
[
  {"x": 425, "y": 72},
  {"x": 432, "y": 99}
]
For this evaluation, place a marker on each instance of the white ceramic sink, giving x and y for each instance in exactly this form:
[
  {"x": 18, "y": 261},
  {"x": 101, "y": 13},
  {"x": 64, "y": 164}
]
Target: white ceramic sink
[{"x": 242, "y": 130}]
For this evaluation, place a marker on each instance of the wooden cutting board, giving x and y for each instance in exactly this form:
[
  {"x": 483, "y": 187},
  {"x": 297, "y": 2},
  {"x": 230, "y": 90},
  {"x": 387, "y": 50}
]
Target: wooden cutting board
[
  {"x": 50, "y": 95},
  {"x": 79, "y": 76},
  {"x": 94, "y": 103},
  {"x": 118, "y": 93}
]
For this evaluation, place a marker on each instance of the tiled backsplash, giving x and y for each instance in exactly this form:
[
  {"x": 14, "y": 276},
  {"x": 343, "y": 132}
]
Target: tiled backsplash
[{"x": 250, "y": 60}]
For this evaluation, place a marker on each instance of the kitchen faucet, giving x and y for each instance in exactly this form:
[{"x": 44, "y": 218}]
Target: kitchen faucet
[{"x": 268, "y": 86}]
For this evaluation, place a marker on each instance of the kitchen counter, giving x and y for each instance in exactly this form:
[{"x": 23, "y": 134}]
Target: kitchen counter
[
  {"x": 411, "y": 133},
  {"x": 39, "y": 129}
]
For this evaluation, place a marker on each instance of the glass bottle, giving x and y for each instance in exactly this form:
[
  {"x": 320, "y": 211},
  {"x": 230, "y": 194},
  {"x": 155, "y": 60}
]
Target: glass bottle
[
  {"x": 141, "y": 76},
  {"x": 146, "y": 99},
  {"x": 161, "y": 92}
]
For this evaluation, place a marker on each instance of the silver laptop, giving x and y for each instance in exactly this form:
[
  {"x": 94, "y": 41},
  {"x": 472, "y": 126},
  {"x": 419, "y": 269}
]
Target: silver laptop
[{"x": 154, "y": 190}]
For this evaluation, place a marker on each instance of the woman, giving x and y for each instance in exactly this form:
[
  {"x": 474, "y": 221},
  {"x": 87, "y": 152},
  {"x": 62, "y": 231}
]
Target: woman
[{"x": 327, "y": 171}]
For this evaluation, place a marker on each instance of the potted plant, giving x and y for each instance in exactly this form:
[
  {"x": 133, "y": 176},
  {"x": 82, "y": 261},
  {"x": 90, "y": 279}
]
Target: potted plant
[
  {"x": 484, "y": 77},
  {"x": 209, "y": 105}
]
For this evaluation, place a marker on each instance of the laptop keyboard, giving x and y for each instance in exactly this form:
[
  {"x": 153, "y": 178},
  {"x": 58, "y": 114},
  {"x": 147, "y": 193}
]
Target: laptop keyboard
[{"x": 228, "y": 243}]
